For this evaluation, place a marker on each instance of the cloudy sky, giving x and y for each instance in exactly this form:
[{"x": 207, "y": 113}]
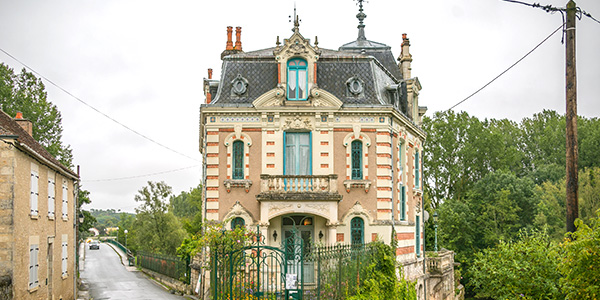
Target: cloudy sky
[{"x": 142, "y": 63}]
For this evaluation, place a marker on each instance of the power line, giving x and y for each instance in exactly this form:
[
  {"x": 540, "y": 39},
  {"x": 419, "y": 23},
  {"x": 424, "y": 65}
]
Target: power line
[
  {"x": 95, "y": 109},
  {"x": 139, "y": 176},
  {"x": 518, "y": 61},
  {"x": 552, "y": 9}
]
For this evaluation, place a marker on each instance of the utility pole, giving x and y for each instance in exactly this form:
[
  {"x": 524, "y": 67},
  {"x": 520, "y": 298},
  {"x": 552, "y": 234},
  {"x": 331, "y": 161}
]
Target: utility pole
[{"x": 571, "y": 118}]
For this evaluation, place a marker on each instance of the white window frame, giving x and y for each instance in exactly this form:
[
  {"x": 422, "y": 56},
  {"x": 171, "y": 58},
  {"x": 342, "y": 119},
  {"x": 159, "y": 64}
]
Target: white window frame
[
  {"x": 65, "y": 201},
  {"x": 34, "y": 191},
  {"x": 51, "y": 195},
  {"x": 34, "y": 266},
  {"x": 64, "y": 258}
]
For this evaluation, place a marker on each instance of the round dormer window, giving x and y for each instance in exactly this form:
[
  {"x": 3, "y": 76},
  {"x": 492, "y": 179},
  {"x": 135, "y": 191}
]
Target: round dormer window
[
  {"x": 355, "y": 85},
  {"x": 239, "y": 85}
]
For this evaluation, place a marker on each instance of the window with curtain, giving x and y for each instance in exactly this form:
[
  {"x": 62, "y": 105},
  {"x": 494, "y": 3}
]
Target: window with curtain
[
  {"x": 356, "y": 155},
  {"x": 297, "y": 77},
  {"x": 297, "y": 153},
  {"x": 237, "y": 156},
  {"x": 237, "y": 222},
  {"x": 357, "y": 231}
]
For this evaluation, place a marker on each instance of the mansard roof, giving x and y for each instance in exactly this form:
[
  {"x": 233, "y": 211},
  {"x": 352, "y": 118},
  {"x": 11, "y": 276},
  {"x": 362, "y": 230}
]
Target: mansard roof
[{"x": 375, "y": 67}]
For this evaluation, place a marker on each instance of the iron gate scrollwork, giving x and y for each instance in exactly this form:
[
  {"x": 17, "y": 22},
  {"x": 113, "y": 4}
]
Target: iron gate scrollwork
[{"x": 258, "y": 271}]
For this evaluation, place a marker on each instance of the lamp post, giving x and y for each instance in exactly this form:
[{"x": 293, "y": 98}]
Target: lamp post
[
  {"x": 435, "y": 226},
  {"x": 125, "y": 238}
]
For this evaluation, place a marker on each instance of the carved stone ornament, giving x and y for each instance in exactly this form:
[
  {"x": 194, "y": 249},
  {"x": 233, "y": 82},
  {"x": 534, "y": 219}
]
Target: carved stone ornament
[
  {"x": 364, "y": 184},
  {"x": 297, "y": 48},
  {"x": 238, "y": 183},
  {"x": 239, "y": 85},
  {"x": 319, "y": 207},
  {"x": 274, "y": 208},
  {"x": 298, "y": 123}
]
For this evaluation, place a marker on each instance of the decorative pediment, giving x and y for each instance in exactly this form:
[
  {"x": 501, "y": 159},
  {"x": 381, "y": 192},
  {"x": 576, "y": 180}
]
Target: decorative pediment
[
  {"x": 320, "y": 98},
  {"x": 357, "y": 210}
]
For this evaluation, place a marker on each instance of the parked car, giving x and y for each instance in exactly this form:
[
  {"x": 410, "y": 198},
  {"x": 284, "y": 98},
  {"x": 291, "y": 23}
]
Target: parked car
[{"x": 94, "y": 245}]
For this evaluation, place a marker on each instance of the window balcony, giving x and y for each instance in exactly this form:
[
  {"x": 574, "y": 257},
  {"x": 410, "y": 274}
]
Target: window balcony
[{"x": 299, "y": 187}]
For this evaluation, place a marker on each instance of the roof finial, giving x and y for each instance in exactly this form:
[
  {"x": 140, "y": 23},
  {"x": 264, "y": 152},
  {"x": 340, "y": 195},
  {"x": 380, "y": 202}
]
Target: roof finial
[
  {"x": 361, "y": 17},
  {"x": 296, "y": 20}
]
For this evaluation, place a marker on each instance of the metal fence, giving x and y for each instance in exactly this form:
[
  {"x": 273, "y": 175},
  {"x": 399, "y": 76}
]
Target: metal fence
[
  {"x": 294, "y": 271},
  {"x": 172, "y": 266}
]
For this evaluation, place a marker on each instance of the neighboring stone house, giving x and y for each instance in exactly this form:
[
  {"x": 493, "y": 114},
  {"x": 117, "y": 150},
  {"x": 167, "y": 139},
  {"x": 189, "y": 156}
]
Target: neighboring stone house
[
  {"x": 325, "y": 141},
  {"x": 37, "y": 215}
]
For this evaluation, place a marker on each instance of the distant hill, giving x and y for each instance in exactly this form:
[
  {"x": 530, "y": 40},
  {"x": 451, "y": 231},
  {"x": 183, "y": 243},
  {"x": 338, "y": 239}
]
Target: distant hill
[{"x": 107, "y": 218}]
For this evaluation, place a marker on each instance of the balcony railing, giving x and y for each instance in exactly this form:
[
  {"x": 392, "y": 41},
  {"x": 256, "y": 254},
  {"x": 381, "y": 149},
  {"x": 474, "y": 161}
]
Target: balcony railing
[
  {"x": 299, "y": 186},
  {"x": 439, "y": 262}
]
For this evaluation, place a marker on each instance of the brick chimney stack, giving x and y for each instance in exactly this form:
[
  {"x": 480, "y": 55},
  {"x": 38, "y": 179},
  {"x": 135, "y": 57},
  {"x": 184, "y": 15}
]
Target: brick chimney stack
[
  {"x": 210, "y": 73},
  {"x": 229, "y": 45},
  {"x": 238, "y": 39},
  {"x": 405, "y": 58},
  {"x": 24, "y": 123}
]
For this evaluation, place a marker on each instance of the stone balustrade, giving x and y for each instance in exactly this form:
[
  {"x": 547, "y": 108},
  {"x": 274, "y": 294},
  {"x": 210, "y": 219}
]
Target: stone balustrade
[{"x": 292, "y": 187}]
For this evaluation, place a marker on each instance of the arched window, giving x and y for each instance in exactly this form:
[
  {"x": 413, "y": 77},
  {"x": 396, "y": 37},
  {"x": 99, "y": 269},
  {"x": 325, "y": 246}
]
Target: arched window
[
  {"x": 357, "y": 231},
  {"x": 297, "y": 79},
  {"x": 238, "y": 160},
  {"x": 237, "y": 222},
  {"x": 356, "y": 160}
]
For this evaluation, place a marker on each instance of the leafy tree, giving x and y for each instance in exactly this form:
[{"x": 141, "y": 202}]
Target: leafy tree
[
  {"x": 156, "y": 229},
  {"x": 186, "y": 204},
  {"x": 589, "y": 193},
  {"x": 26, "y": 93},
  {"x": 521, "y": 269},
  {"x": 550, "y": 210},
  {"x": 579, "y": 261},
  {"x": 88, "y": 219}
]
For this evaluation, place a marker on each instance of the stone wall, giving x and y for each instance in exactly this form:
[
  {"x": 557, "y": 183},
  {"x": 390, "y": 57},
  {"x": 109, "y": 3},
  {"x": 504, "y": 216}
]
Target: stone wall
[{"x": 7, "y": 185}]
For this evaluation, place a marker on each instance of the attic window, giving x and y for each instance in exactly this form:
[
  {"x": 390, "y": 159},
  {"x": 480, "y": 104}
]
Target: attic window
[
  {"x": 297, "y": 79},
  {"x": 239, "y": 85},
  {"x": 355, "y": 86}
]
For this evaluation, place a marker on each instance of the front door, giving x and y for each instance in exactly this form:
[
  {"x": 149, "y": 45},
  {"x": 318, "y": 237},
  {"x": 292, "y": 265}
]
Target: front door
[{"x": 298, "y": 233}]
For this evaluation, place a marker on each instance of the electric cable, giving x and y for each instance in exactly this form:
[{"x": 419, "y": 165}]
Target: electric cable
[
  {"x": 518, "y": 61},
  {"x": 140, "y": 176},
  {"x": 95, "y": 109}
]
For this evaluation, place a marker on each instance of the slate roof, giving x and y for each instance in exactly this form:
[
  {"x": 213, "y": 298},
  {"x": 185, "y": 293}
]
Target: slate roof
[
  {"x": 334, "y": 68},
  {"x": 9, "y": 127}
]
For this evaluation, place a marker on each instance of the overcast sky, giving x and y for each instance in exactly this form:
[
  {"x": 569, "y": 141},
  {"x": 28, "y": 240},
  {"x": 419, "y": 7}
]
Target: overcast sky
[{"x": 143, "y": 62}]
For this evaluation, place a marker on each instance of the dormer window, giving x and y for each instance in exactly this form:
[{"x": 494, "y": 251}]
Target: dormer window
[{"x": 297, "y": 79}]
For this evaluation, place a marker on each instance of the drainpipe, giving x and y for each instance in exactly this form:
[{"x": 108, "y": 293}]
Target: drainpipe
[
  {"x": 76, "y": 233},
  {"x": 204, "y": 209}
]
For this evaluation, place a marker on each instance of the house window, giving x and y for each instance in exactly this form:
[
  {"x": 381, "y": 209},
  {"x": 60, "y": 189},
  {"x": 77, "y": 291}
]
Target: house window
[
  {"x": 51, "y": 194},
  {"x": 356, "y": 155},
  {"x": 34, "y": 250},
  {"x": 418, "y": 236},
  {"x": 237, "y": 222},
  {"x": 417, "y": 164},
  {"x": 297, "y": 78},
  {"x": 65, "y": 201},
  {"x": 403, "y": 203},
  {"x": 34, "y": 193},
  {"x": 357, "y": 231},
  {"x": 238, "y": 160},
  {"x": 297, "y": 156}
]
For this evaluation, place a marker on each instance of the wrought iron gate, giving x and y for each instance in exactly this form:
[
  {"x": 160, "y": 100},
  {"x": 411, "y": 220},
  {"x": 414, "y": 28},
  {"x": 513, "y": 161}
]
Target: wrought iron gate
[{"x": 258, "y": 271}]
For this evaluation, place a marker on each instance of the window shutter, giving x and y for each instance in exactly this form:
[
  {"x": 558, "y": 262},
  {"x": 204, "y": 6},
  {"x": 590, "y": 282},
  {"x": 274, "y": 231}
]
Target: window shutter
[
  {"x": 418, "y": 236},
  {"x": 51, "y": 197},
  {"x": 31, "y": 266},
  {"x": 64, "y": 259},
  {"x": 65, "y": 203},
  {"x": 34, "y": 193},
  {"x": 37, "y": 266},
  {"x": 417, "y": 165},
  {"x": 403, "y": 203}
]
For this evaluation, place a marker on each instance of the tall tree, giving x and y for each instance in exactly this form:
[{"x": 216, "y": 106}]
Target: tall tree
[
  {"x": 26, "y": 93},
  {"x": 156, "y": 229}
]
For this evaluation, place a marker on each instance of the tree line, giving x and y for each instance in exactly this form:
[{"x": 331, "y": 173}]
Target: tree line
[{"x": 498, "y": 183}]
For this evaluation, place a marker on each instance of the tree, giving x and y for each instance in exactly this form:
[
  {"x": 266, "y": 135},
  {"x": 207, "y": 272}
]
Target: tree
[
  {"x": 579, "y": 261},
  {"x": 522, "y": 269},
  {"x": 88, "y": 219},
  {"x": 156, "y": 229},
  {"x": 26, "y": 93}
]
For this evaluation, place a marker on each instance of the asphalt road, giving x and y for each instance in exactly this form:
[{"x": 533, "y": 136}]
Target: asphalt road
[{"x": 109, "y": 279}]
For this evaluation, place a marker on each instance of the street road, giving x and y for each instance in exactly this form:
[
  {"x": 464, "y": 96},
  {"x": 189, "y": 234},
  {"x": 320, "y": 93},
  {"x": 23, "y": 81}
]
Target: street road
[{"x": 109, "y": 279}]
